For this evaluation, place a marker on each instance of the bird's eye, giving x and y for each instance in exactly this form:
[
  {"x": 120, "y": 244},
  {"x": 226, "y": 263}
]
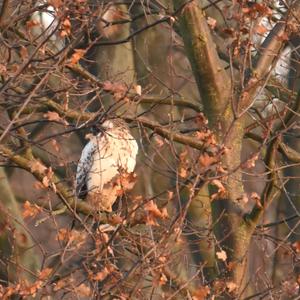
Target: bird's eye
[{"x": 95, "y": 130}]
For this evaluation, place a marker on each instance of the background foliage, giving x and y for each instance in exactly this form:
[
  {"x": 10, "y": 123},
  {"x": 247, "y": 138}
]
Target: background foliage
[{"x": 210, "y": 90}]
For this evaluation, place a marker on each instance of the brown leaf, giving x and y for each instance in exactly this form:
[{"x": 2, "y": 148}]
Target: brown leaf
[
  {"x": 260, "y": 29},
  {"x": 3, "y": 69},
  {"x": 63, "y": 235},
  {"x": 128, "y": 180},
  {"x": 183, "y": 172},
  {"x": 138, "y": 89},
  {"x": 164, "y": 213},
  {"x": 296, "y": 246},
  {"x": 255, "y": 197},
  {"x": 283, "y": 37},
  {"x": 79, "y": 53},
  {"x": 44, "y": 274},
  {"x": 250, "y": 163},
  {"x": 55, "y": 3},
  {"x": 245, "y": 198},
  {"x": 54, "y": 116},
  {"x": 183, "y": 155},
  {"x": 118, "y": 89},
  {"x": 83, "y": 290},
  {"x": 46, "y": 181},
  {"x": 30, "y": 210},
  {"x": 159, "y": 141},
  {"x": 222, "y": 255},
  {"x": 55, "y": 145},
  {"x": 38, "y": 185},
  {"x": 24, "y": 52},
  {"x": 291, "y": 288},
  {"x": 221, "y": 189},
  {"x": 170, "y": 195},
  {"x": 37, "y": 166},
  {"x": 49, "y": 174},
  {"x": 115, "y": 220},
  {"x": 231, "y": 265},
  {"x": 62, "y": 284},
  {"x": 152, "y": 207},
  {"x": 110, "y": 15},
  {"x": 212, "y": 23},
  {"x": 66, "y": 28},
  {"x": 231, "y": 286},
  {"x": 100, "y": 276},
  {"x": 205, "y": 160},
  {"x": 201, "y": 293},
  {"x": 31, "y": 23},
  {"x": 72, "y": 236}
]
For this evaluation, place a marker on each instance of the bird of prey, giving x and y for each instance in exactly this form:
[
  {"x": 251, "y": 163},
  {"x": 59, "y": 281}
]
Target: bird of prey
[
  {"x": 46, "y": 24},
  {"x": 106, "y": 160}
]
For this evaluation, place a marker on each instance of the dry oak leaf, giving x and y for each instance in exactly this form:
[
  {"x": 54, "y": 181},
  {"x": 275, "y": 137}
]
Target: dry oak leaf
[
  {"x": 221, "y": 189},
  {"x": 255, "y": 197},
  {"x": 260, "y": 29},
  {"x": 159, "y": 279},
  {"x": 30, "y": 210},
  {"x": 291, "y": 288},
  {"x": 70, "y": 236},
  {"x": 115, "y": 220},
  {"x": 262, "y": 9},
  {"x": 205, "y": 160},
  {"x": 138, "y": 89},
  {"x": 54, "y": 116},
  {"x": 212, "y": 23},
  {"x": 24, "y": 52},
  {"x": 62, "y": 284},
  {"x": 296, "y": 246},
  {"x": 100, "y": 276},
  {"x": 79, "y": 53},
  {"x": 66, "y": 28},
  {"x": 47, "y": 179},
  {"x": 152, "y": 208},
  {"x": 163, "y": 279},
  {"x": 231, "y": 286},
  {"x": 118, "y": 89},
  {"x": 283, "y": 37},
  {"x": 159, "y": 141},
  {"x": 115, "y": 87},
  {"x": 222, "y": 255},
  {"x": 183, "y": 173},
  {"x": 250, "y": 163},
  {"x": 55, "y": 145},
  {"x": 170, "y": 195},
  {"x": 201, "y": 293},
  {"x": 32, "y": 23},
  {"x": 83, "y": 290},
  {"x": 37, "y": 166},
  {"x": 55, "y": 3},
  {"x": 45, "y": 273},
  {"x": 183, "y": 155}
]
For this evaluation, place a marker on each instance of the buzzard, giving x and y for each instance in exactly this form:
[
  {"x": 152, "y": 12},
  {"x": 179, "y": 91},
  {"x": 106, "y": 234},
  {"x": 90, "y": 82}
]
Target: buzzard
[
  {"x": 107, "y": 162},
  {"x": 47, "y": 24}
]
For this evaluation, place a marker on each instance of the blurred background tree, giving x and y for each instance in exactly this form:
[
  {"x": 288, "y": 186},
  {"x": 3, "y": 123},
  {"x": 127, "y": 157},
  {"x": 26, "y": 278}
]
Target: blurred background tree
[{"x": 210, "y": 90}]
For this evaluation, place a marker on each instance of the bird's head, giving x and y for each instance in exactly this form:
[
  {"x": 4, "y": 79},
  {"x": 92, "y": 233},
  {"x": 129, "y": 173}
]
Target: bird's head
[{"x": 103, "y": 127}]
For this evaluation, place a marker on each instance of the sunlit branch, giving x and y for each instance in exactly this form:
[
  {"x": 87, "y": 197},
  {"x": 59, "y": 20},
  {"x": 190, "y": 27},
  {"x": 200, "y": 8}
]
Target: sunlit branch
[{"x": 56, "y": 184}]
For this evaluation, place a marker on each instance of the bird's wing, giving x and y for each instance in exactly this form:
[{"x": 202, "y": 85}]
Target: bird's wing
[
  {"x": 105, "y": 167},
  {"x": 84, "y": 165}
]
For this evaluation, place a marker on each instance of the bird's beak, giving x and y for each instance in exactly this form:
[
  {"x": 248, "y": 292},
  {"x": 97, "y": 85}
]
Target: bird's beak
[{"x": 96, "y": 129}]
